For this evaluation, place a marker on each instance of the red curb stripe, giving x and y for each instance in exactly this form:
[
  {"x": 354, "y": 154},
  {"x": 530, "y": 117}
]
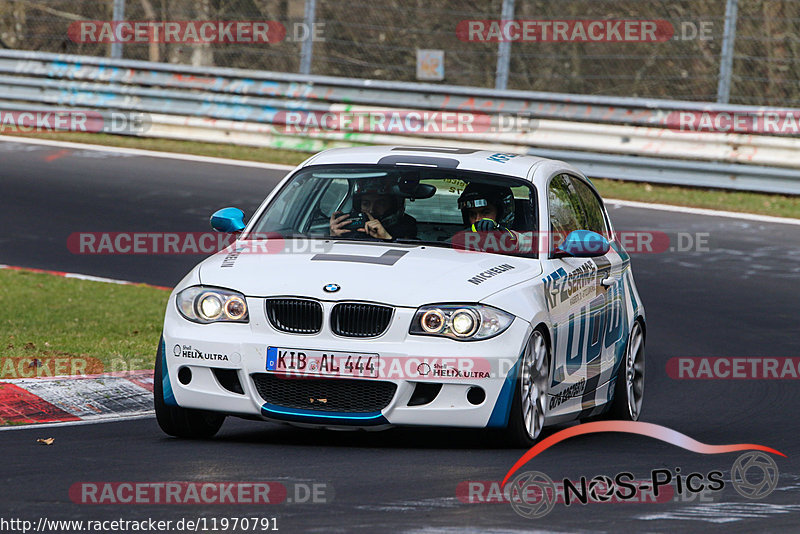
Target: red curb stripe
[
  {"x": 59, "y": 154},
  {"x": 20, "y": 406},
  {"x": 131, "y": 376},
  {"x": 145, "y": 381},
  {"x": 78, "y": 276}
]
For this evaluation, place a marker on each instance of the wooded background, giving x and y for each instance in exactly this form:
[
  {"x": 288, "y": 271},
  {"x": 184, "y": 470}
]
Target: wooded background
[{"x": 378, "y": 39}]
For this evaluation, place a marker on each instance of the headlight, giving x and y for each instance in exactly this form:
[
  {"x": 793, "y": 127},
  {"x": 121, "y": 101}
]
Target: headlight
[
  {"x": 211, "y": 305},
  {"x": 465, "y": 322},
  {"x": 433, "y": 321}
]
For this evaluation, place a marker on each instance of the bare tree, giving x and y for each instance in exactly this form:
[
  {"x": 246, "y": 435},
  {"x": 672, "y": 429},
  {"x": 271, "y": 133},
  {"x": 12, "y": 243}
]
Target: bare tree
[
  {"x": 196, "y": 54},
  {"x": 150, "y": 14}
]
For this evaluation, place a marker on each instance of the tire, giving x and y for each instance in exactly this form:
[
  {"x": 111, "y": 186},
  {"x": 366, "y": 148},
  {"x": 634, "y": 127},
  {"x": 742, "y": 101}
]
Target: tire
[
  {"x": 629, "y": 388},
  {"x": 530, "y": 394},
  {"x": 181, "y": 422}
]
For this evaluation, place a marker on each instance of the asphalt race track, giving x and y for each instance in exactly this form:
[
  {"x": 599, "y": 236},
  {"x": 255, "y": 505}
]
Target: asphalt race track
[{"x": 739, "y": 298}]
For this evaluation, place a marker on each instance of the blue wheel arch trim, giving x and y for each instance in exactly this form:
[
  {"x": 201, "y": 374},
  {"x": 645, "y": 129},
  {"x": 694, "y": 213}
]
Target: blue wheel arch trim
[
  {"x": 620, "y": 357},
  {"x": 502, "y": 407},
  {"x": 315, "y": 417},
  {"x": 166, "y": 386}
]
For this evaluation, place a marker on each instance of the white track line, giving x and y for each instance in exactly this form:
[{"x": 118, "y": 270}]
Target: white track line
[
  {"x": 147, "y": 153},
  {"x": 80, "y": 276},
  {"x": 91, "y": 278},
  {"x": 34, "y": 426},
  {"x": 276, "y": 166},
  {"x": 703, "y": 211}
]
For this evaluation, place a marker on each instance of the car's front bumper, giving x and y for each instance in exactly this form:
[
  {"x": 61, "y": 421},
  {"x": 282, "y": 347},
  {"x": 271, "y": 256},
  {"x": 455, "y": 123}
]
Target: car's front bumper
[{"x": 489, "y": 364}]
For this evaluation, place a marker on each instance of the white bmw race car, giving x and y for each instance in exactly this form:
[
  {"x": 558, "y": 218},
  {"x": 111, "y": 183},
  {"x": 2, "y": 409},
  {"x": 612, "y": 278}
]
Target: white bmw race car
[{"x": 384, "y": 286}]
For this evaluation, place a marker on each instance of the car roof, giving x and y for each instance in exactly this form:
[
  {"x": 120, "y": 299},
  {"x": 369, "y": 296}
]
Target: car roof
[{"x": 515, "y": 165}]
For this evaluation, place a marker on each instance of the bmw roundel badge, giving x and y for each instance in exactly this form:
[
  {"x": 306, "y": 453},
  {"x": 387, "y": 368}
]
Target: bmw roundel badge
[{"x": 331, "y": 288}]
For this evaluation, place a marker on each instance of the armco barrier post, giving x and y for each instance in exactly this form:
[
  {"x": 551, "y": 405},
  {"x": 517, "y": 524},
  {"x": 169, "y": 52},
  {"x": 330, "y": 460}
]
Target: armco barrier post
[
  {"x": 504, "y": 49},
  {"x": 306, "y": 52},
  {"x": 119, "y": 16},
  {"x": 726, "y": 55}
]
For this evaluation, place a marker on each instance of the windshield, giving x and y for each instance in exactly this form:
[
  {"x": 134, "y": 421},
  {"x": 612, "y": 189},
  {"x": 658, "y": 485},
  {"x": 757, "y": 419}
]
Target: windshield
[{"x": 442, "y": 207}]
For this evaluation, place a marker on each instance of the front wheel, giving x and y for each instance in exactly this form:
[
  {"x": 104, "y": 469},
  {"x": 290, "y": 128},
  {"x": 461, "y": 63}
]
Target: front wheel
[
  {"x": 177, "y": 421},
  {"x": 530, "y": 396}
]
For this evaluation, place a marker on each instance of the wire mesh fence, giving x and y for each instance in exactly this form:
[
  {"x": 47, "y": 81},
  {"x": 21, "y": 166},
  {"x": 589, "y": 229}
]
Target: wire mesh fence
[{"x": 379, "y": 39}]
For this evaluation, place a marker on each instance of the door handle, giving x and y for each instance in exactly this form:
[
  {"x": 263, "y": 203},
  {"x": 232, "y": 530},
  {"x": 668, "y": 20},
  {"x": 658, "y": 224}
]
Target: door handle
[{"x": 610, "y": 281}]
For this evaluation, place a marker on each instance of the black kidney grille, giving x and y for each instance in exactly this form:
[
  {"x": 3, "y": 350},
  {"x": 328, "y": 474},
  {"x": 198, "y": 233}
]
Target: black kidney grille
[
  {"x": 360, "y": 320},
  {"x": 325, "y": 394},
  {"x": 296, "y": 316}
]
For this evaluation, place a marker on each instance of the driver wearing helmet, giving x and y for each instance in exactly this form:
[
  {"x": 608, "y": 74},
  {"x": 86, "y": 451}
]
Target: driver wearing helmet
[
  {"x": 384, "y": 210},
  {"x": 487, "y": 208}
]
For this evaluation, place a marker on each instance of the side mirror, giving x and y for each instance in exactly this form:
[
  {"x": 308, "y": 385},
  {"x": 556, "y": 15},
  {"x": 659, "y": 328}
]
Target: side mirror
[
  {"x": 584, "y": 244},
  {"x": 228, "y": 220}
]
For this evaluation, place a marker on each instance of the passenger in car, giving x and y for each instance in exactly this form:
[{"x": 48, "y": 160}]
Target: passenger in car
[
  {"x": 487, "y": 208},
  {"x": 380, "y": 213}
]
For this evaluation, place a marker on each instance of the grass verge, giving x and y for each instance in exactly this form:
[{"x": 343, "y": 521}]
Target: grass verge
[
  {"x": 50, "y": 325},
  {"x": 746, "y": 202},
  {"x": 717, "y": 199}
]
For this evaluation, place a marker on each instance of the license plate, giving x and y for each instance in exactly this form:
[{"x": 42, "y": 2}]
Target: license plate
[{"x": 322, "y": 363}]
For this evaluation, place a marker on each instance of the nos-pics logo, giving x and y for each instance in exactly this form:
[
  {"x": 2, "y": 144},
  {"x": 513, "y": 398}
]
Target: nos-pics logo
[{"x": 533, "y": 494}]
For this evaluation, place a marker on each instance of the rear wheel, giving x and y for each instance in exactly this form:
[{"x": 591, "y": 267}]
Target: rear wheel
[
  {"x": 176, "y": 421},
  {"x": 629, "y": 388},
  {"x": 530, "y": 396}
]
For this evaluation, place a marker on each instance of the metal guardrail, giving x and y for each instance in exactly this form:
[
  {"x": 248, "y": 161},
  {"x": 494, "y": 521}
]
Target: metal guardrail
[
  {"x": 606, "y": 136},
  {"x": 307, "y": 88},
  {"x": 654, "y": 170}
]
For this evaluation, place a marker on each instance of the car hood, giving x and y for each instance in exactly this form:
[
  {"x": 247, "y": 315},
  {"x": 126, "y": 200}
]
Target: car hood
[{"x": 400, "y": 275}]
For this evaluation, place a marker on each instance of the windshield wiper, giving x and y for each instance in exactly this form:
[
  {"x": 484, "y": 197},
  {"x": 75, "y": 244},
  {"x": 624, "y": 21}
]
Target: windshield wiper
[
  {"x": 277, "y": 235},
  {"x": 444, "y": 244}
]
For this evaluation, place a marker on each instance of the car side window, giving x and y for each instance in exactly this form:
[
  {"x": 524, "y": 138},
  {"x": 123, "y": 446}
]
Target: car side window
[
  {"x": 334, "y": 196},
  {"x": 566, "y": 212},
  {"x": 593, "y": 218},
  {"x": 280, "y": 215}
]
